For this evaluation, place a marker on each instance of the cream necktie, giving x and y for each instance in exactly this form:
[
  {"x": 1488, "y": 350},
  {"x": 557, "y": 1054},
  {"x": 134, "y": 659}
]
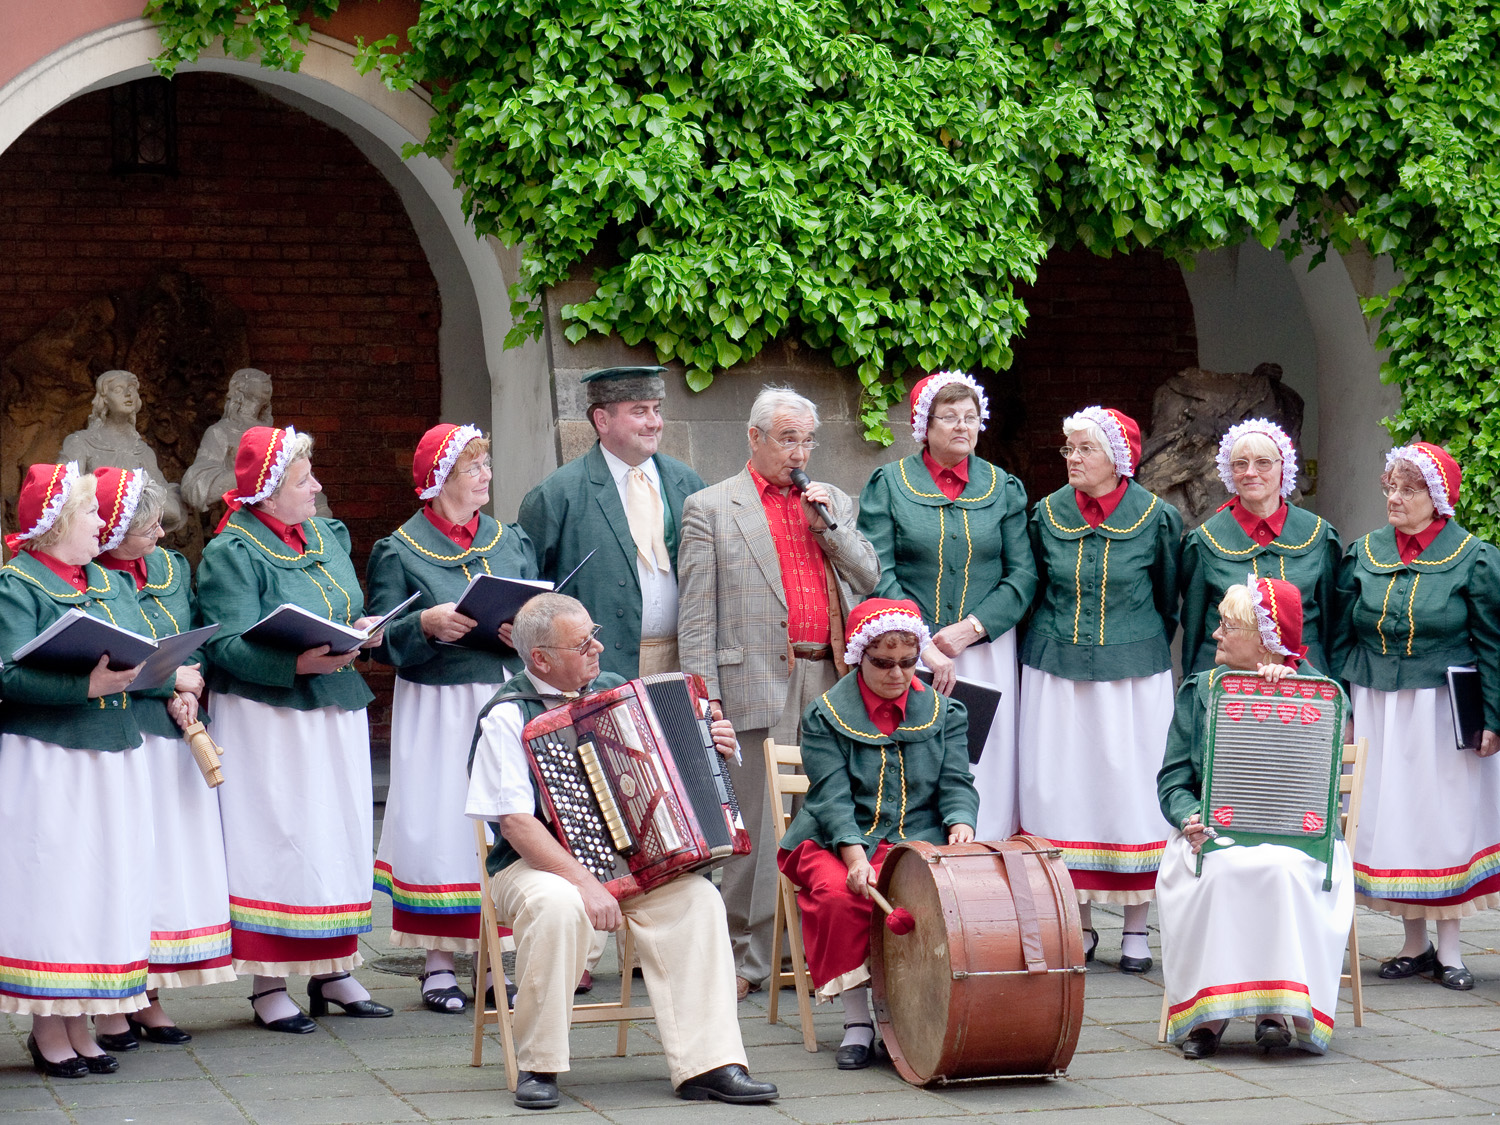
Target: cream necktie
[{"x": 643, "y": 511}]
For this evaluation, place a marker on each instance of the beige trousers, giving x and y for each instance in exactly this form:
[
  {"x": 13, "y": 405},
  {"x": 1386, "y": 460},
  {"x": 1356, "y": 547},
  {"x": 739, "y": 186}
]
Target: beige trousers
[
  {"x": 658, "y": 654},
  {"x": 683, "y": 945}
]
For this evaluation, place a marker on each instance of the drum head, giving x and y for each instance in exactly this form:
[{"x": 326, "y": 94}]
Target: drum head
[{"x": 916, "y": 968}]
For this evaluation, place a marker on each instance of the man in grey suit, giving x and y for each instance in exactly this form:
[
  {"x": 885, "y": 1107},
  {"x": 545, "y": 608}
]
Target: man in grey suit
[
  {"x": 766, "y": 585},
  {"x": 625, "y": 499}
]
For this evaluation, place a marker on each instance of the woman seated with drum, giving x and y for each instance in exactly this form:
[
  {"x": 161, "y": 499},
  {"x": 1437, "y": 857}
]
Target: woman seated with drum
[
  {"x": 1256, "y": 935},
  {"x": 887, "y": 760}
]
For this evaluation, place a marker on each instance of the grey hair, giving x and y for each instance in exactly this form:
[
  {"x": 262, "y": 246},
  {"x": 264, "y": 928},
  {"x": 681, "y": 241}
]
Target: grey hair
[
  {"x": 775, "y": 401},
  {"x": 535, "y": 624},
  {"x": 149, "y": 508},
  {"x": 298, "y": 449},
  {"x": 1073, "y": 425},
  {"x": 99, "y": 409}
]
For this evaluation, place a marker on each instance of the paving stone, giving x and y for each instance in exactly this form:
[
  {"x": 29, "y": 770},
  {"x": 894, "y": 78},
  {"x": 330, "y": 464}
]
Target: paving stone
[
  {"x": 1393, "y": 1048},
  {"x": 1396, "y": 1104},
  {"x": 275, "y": 1054},
  {"x": 1258, "y": 1111},
  {"x": 1096, "y": 1115},
  {"x": 702, "y": 1113},
  {"x": 481, "y": 1104},
  {"x": 1022, "y": 1095},
  {"x": 116, "y": 1092},
  {"x": 1296, "y": 1080},
  {"x": 444, "y": 1079},
  {"x": 277, "y": 1087},
  {"x": 829, "y": 1080},
  {"x": 1190, "y": 1084},
  {"x": 213, "y": 1113},
  {"x": 1452, "y": 1021},
  {"x": 33, "y": 1095},
  {"x": 368, "y": 1110},
  {"x": 894, "y": 1105},
  {"x": 1478, "y": 1070},
  {"x": 1126, "y": 1063}
]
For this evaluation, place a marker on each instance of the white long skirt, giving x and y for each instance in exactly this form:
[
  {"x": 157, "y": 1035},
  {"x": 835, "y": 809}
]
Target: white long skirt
[
  {"x": 75, "y": 908},
  {"x": 1089, "y": 753},
  {"x": 426, "y": 859},
  {"x": 1429, "y": 829},
  {"x": 1256, "y": 935},
  {"x": 994, "y": 665},
  {"x": 298, "y": 810},
  {"x": 190, "y": 904}
]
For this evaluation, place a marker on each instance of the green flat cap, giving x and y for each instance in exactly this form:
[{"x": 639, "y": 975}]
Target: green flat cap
[{"x": 625, "y": 384}]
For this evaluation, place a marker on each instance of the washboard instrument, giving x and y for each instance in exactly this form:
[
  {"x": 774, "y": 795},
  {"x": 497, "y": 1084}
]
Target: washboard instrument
[
  {"x": 1271, "y": 767},
  {"x": 632, "y": 784}
]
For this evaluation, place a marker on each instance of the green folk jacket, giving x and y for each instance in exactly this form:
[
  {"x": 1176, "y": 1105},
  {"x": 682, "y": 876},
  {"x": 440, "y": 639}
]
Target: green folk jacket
[
  {"x": 54, "y": 706},
  {"x": 951, "y": 557},
  {"x": 577, "y": 509},
  {"x": 502, "y": 854},
  {"x": 1179, "y": 782},
  {"x": 865, "y": 786},
  {"x": 1405, "y": 623},
  {"x": 420, "y": 559},
  {"x": 246, "y": 572},
  {"x": 1218, "y": 554},
  {"x": 167, "y": 602},
  {"x": 1106, "y": 604}
]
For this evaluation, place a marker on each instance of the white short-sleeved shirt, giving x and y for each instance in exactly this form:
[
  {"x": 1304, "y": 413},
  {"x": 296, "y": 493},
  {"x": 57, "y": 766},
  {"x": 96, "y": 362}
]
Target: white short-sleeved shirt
[
  {"x": 500, "y": 781},
  {"x": 658, "y": 587}
]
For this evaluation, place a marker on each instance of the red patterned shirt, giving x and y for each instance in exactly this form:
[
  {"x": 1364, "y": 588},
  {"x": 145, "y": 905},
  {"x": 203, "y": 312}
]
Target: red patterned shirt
[
  {"x": 802, "y": 575},
  {"x": 1260, "y": 530},
  {"x": 1094, "y": 511},
  {"x": 462, "y": 534},
  {"x": 1411, "y": 547},
  {"x": 951, "y": 482}
]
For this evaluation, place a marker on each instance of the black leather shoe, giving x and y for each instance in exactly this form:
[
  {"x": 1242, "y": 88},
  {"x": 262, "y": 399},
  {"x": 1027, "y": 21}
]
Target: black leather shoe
[
  {"x": 535, "y": 1090},
  {"x": 171, "y": 1034},
  {"x": 449, "y": 1001},
  {"x": 1398, "y": 968},
  {"x": 1201, "y": 1043},
  {"x": 1272, "y": 1033},
  {"x": 299, "y": 1024},
  {"x": 1456, "y": 977},
  {"x": 317, "y": 1003},
  {"x": 1090, "y": 947},
  {"x": 124, "y": 1041},
  {"x": 727, "y": 1084},
  {"x": 1135, "y": 964},
  {"x": 73, "y": 1067},
  {"x": 100, "y": 1064},
  {"x": 856, "y": 1056},
  {"x": 510, "y": 996}
]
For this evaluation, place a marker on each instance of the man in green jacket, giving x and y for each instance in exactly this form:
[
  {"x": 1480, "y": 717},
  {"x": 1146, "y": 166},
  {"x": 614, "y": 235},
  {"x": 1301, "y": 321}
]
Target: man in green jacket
[{"x": 623, "y": 500}]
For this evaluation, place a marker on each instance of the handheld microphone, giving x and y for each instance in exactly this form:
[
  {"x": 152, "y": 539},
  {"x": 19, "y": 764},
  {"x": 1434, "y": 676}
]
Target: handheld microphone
[{"x": 799, "y": 478}]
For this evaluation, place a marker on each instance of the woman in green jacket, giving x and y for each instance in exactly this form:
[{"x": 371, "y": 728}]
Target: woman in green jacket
[
  {"x": 886, "y": 761},
  {"x": 950, "y": 532},
  {"x": 190, "y": 905},
  {"x": 296, "y": 800},
  {"x": 1424, "y": 596},
  {"x": 1258, "y": 531},
  {"x": 75, "y": 925},
  {"x": 1096, "y": 679},
  {"x": 426, "y": 857}
]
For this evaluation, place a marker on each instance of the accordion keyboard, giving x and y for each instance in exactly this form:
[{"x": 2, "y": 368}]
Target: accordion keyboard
[{"x": 575, "y": 811}]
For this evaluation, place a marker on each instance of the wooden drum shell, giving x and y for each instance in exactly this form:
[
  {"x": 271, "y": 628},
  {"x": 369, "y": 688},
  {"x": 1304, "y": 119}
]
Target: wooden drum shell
[{"x": 978, "y": 990}]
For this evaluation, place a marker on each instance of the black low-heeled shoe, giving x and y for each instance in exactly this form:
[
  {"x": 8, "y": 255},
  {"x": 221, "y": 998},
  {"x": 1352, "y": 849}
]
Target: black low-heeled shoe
[
  {"x": 1456, "y": 977},
  {"x": 123, "y": 1041},
  {"x": 299, "y": 1024},
  {"x": 1089, "y": 948},
  {"x": 1135, "y": 964},
  {"x": 857, "y": 1056},
  {"x": 170, "y": 1035},
  {"x": 441, "y": 999},
  {"x": 100, "y": 1064},
  {"x": 1272, "y": 1033},
  {"x": 73, "y": 1067},
  {"x": 1398, "y": 968},
  {"x": 1201, "y": 1043},
  {"x": 317, "y": 1003}
]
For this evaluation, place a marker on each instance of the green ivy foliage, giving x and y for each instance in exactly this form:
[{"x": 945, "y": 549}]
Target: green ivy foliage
[{"x": 874, "y": 177}]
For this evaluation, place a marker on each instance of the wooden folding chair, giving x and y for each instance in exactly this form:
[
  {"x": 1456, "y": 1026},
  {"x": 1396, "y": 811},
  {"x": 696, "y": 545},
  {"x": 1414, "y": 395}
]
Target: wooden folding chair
[
  {"x": 1351, "y": 792},
  {"x": 488, "y": 958},
  {"x": 787, "y": 916}
]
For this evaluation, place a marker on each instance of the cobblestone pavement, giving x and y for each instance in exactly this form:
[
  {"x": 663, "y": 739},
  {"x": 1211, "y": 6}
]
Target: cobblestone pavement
[{"x": 1424, "y": 1053}]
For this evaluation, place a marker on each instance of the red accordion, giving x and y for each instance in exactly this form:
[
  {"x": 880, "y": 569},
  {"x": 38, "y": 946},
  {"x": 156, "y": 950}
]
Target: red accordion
[{"x": 631, "y": 781}]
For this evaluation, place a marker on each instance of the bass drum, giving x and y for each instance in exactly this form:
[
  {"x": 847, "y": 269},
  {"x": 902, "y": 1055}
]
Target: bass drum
[{"x": 990, "y": 983}]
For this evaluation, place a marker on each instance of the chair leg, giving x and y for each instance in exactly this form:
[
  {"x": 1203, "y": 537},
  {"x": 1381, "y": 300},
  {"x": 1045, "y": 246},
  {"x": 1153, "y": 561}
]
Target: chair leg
[
  {"x": 786, "y": 898},
  {"x": 1161, "y": 1028},
  {"x": 1356, "y": 983},
  {"x": 625, "y": 947},
  {"x": 481, "y": 967},
  {"x": 777, "y": 978}
]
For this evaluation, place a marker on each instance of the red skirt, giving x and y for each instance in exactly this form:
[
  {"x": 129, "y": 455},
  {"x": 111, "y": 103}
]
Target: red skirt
[{"x": 835, "y": 920}]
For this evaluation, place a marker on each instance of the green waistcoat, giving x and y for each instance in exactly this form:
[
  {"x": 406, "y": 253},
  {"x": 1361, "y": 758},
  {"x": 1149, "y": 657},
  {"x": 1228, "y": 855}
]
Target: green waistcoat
[
  {"x": 1405, "y": 623},
  {"x": 1179, "y": 782},
  {"x": 420, "y": 559},
  {"x": 951, "y": 557},
  {"x": 1218, "y": 554},
  {"x": 578, "y": 509},
  {"x": 54, "y": 706},
  {"x": 502, "y": 855},
  {"x": 247, "y": 572},
  {"x": 865, "y": 786},
  {"x": 1106, "y": 604},
  {"x": 167, "y": 602}
]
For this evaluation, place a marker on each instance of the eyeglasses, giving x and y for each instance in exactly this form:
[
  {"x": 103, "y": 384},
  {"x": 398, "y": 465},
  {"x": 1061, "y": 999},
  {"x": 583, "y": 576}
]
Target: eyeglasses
[
  {"x": 954, "y": 421},
  {"x": 1260, "y": 465},
  {"x": 790, "y": 444},
  {"x": 1230, "y": 627},
  {"x": 580, "y": 649},
  {"x": 886, "y": 663},
  {"x": 482, "y": 466},
  {"x": 147, "y": 532},
  {"x": 1402, "y": 491},
  {"x": 1083, "y": 451}
]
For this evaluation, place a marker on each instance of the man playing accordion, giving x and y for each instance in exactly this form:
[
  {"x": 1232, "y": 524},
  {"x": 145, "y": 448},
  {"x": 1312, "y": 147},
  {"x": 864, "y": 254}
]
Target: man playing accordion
[{"x": 554, "y": 905}]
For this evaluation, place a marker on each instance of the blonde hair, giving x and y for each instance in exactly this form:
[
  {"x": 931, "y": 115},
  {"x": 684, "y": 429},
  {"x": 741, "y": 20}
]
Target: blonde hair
[
  {"x": 298, "y": 449},
  {"x": 472, "y": 452},
  {"x": 1255, "y": 444},
  {"x": 1238, "y": 605},
  {"x": 83, "y": 495}
]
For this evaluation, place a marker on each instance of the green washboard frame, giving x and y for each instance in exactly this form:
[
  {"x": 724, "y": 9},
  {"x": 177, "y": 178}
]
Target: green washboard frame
[{"x": 1271, "y": 767}]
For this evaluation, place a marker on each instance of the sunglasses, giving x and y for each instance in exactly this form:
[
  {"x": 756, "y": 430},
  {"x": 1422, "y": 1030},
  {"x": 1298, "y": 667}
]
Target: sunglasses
[{"x": 886, "y": 663}]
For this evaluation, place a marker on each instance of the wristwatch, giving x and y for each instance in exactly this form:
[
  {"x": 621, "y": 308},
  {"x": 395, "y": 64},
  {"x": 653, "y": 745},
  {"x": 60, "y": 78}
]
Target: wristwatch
[{"x": 974, "y": 621}]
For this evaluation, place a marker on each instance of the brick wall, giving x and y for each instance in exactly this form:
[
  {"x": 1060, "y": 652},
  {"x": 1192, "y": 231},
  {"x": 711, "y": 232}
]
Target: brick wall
[
  {"x": 283, "y": 217},
  {"x": 1102, "y": 331}
]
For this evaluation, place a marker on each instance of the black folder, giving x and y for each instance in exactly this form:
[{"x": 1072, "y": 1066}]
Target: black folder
[
  {"x": 292, "y": 627},
  {"x": 981, "y": 701},
  {"x": 493, "y": 600},
  {"x": 162, "y": 664},
  {"x": 1467, "y": 702},
  {"x": 76, "y": 641}
]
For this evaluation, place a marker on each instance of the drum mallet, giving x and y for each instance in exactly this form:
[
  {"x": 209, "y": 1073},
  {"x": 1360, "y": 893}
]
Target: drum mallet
[{"x": 898, "y": 919}]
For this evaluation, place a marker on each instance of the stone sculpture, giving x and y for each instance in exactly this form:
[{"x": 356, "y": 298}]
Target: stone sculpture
[{"x": 211, "y": 474}]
